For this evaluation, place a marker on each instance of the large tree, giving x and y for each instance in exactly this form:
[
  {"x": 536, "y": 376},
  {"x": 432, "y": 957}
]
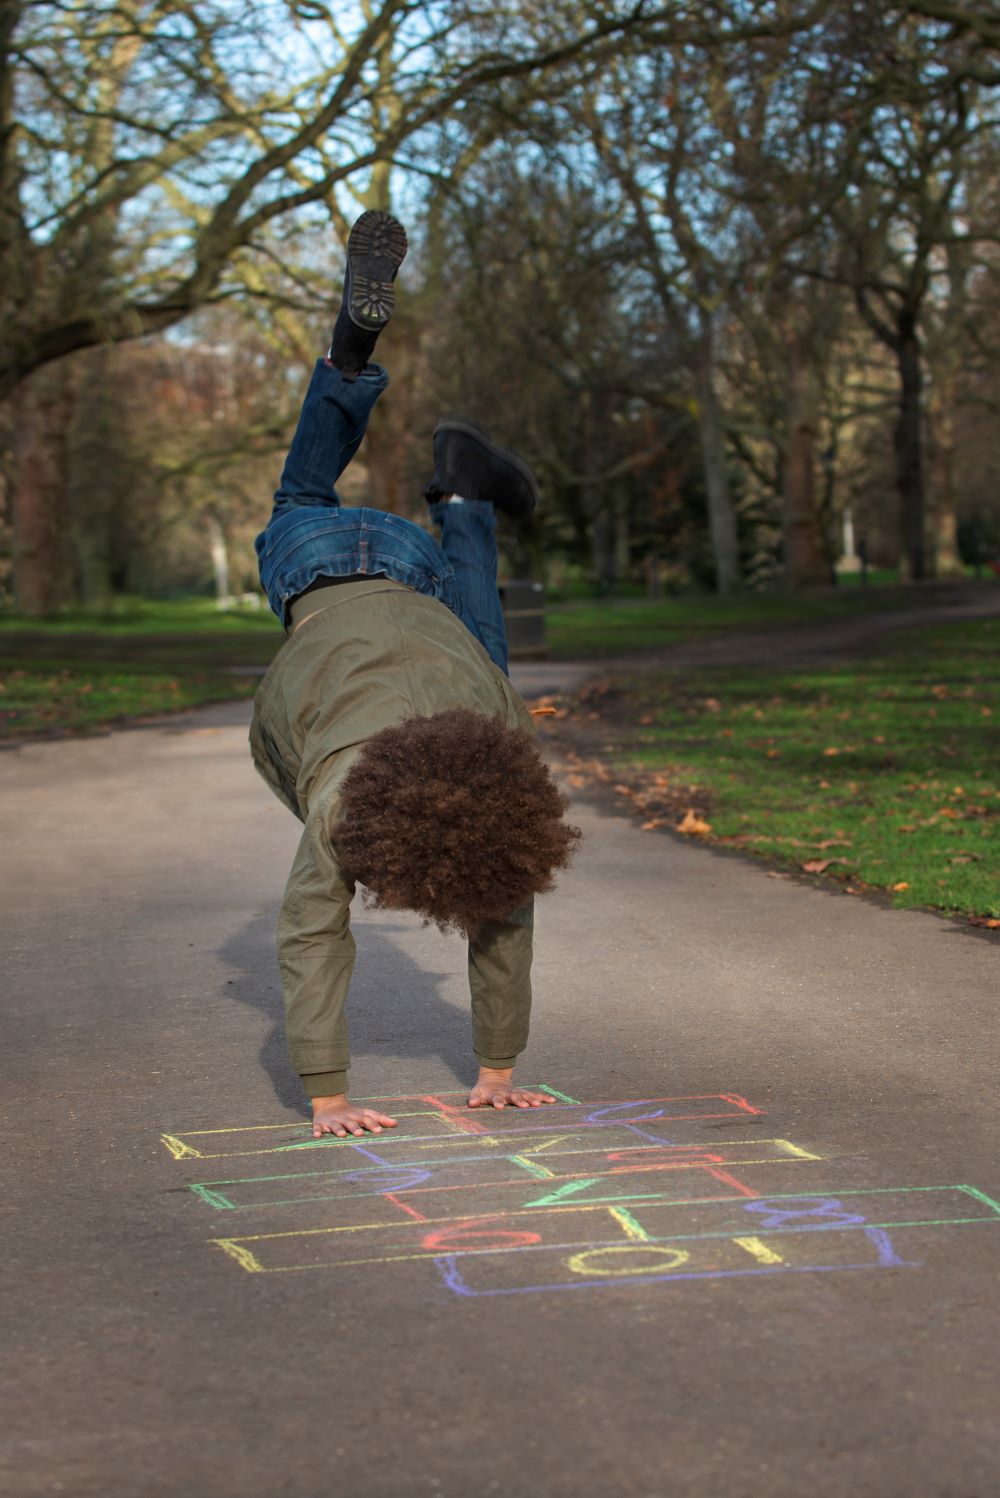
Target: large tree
[
  {"x": 145, "y": 147},
  {"x": 156, "y": 158},
  {"x": 904, "y": 124}
]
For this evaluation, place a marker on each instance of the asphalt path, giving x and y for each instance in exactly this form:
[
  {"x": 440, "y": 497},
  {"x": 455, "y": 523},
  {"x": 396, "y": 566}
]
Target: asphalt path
[{"x": 772, "y": 1271}]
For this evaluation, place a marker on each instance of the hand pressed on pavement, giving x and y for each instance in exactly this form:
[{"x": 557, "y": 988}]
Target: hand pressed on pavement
[
  {"x": 335, "y": 1115},
  {"x": 496, "y": 1089}
]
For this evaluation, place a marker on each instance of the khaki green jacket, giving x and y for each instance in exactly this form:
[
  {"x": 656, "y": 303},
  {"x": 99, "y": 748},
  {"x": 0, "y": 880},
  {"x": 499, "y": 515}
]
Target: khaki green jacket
[{"x": 374, "y": 653}]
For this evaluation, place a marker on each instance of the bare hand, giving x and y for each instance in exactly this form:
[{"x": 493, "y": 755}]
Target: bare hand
[
  {"x": 335, "y": 1115},
  {"x": 496, "y": 1089}
]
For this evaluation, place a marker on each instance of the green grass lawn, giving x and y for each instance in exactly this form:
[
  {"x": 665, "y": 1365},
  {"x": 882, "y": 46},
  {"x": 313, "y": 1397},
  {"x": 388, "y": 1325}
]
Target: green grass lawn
[
  {"x": 77, "y": 671},
  {"x": 883, "y": 774},
  {"x": 599, "y": 628},
  {"x": 148, "y": 616},
  {"x": 72, "y": 698}
]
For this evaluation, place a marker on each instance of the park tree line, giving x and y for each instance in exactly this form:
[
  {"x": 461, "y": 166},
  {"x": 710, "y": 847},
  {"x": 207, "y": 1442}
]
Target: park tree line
[{"x": 727, "y": 274}]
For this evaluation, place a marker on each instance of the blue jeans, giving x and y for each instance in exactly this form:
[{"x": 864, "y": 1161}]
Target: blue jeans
[{"x": 310, "y": 535}]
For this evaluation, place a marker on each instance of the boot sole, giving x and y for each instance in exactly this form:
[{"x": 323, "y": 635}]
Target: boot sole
[
  {"x": 495, "y": 450},
  {"x": 375, "y": 250}
]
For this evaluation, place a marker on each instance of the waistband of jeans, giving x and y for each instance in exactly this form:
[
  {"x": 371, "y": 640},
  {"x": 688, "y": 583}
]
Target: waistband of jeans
[{"x": 310, "y": 603}]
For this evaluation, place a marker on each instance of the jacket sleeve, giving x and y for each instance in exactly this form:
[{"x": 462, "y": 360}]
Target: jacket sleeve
[
  {"x": 500, "y": 986},
  {"x": 316, "y": 958},
  {"x": 269, "y": 764},
  {"x": 501, "y": 954}
]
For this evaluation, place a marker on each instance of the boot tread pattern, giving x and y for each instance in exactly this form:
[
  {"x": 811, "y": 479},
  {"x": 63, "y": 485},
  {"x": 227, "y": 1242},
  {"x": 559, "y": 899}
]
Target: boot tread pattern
[{"x": 376, "y": 250}]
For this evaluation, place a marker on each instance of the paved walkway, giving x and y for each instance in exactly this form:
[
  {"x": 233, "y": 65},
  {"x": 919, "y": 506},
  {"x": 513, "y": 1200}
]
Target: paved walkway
[
  {"x": 779, "y": 1277},
  {"x": 825, "y": 640}
]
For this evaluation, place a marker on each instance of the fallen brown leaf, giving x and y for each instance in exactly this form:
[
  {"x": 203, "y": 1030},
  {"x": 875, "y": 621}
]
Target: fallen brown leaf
[
  {"x": 990, "y": 922},
  {"x": 652, "y": 823},
  {"x": 692, "y": 825},
  {"x": 901, "y": 885}
]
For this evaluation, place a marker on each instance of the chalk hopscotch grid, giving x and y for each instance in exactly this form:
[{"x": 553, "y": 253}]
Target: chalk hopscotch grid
[
  {"x": 448, "y": 1117},
  {"x": 504, "y": 1240},
  {"x": 701, "y": 1158}
]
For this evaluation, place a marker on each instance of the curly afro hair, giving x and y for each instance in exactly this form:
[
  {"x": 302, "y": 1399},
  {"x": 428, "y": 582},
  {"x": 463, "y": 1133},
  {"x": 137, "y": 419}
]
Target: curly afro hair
[{"x": 455, "y": 816}]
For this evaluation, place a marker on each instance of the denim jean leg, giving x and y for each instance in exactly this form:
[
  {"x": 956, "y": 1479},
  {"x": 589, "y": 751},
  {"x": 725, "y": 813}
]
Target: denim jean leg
[
  {"x": 469, "y": 541},
  {"x": 331, "y": 428}
]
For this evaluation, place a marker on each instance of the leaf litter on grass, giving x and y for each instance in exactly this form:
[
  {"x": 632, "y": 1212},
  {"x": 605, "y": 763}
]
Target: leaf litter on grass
[
  {"x": 881, "y": 775},
  {"x": 66, "y": 699}
]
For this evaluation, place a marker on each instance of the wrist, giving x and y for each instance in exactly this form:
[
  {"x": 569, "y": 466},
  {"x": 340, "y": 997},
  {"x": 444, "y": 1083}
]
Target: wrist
[{"x": 324, "y": 1102}]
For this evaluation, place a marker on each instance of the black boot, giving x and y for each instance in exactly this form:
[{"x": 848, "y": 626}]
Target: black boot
[
  {"x": 375, "y": 251},
  {"x": 467, "y": 463}
]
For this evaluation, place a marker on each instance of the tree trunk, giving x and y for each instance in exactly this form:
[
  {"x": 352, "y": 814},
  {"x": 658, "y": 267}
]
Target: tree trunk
[
  {"x": 909, "y": 447},
  {"x": 389, "y": 442},
  {"x": 721, "y": 514},
  {"x": 41, "y": 410},
  {"x": 623, "y": 537},
  {"x": 602, "y": 554},
  {"x": 16, "y": 283},
  {"x": 97, "y": 434},
  {"x": 944, "y": 555},
  {"x": 806, "y": 560},
  {"x": 945, "y": 358},
  {"x": 220, "y": 561}
]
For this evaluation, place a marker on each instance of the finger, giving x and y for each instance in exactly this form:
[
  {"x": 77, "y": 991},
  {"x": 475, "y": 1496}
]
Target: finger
[
  {"x": 475, "y": 1101},
  {"x": 356, "y": 1127},
  {"x": 499, "y": 1101},
  {"x": 339, "y": 1130},
  {"x": 546, "y": 1098},
  {"x": 317, "y": 1131}
]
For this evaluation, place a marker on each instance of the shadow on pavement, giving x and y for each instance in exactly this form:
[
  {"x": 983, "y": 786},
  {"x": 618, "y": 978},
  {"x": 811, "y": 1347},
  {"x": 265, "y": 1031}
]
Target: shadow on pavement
[{"x": 395, "y": 1007}]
